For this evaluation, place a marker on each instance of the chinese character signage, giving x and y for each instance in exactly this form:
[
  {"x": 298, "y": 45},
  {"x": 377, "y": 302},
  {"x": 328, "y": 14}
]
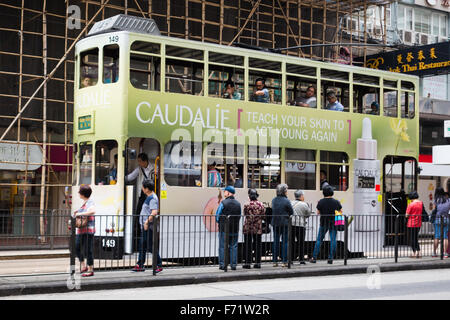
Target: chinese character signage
[{"x": 421, "y": 60}]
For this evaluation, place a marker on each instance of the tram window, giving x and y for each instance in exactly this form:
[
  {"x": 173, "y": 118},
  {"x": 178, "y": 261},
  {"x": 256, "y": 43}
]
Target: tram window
[
  {"x": 89, "y": 68},
  {"x": 145, "y": 72},
  {"x": 410, "y": 173},
  {"x": 407, "y": 85},
  {"x": 183, "y": 164},
  {"x": 226, "y": 82},
  {"x": 225, "y": 165},
  {"x": 106, "y": 162},
  {"x": 333, "y": 74},
  {"x": 264, "y": 64},
  {"x": 184, "y": 77},
  {"x": 181, "y": 52},
  {"x": 264, "y": 167},
  {"x": 85, "y": 164},
  {"x": 301, "y": 70},
  {"x": 298, "y": 174},
  {"x": 342, "y": 96},
  {"x": 271, "y": 82},
  {"x": 390, "y": 103},
  {"x": 301, "y": 92},
  {"x": 226, "y": 59},
  {"x": 393, "y": 177},
  {"x": 408, "y": 110},
  {"x": 111, "y": 63},
  {"x": 336, "y": 169},
  {"x": 146, "y": 47},
  {"x": 366, "y": 100}
]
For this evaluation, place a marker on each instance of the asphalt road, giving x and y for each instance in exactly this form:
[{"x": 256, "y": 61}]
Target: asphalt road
[{"x": 405, "y": 285}]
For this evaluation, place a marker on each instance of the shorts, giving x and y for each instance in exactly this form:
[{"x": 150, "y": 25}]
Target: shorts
[{"x": 437, "y": 231}]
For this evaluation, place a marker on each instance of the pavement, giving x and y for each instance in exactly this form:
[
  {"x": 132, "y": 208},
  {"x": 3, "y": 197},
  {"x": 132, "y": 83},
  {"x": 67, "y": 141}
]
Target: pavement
[{"x": 39, "y": 272}]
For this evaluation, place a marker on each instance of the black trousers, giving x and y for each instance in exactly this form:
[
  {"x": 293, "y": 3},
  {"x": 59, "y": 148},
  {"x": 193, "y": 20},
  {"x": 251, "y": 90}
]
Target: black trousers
[
  {"x": 298, "y": 243},
  {"x": 252, "y": 242},
  {"x": 413, "y": 234}
]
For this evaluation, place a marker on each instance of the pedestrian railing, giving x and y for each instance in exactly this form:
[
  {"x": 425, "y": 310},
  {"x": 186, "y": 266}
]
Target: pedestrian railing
[{"x": 196, "y": 240}]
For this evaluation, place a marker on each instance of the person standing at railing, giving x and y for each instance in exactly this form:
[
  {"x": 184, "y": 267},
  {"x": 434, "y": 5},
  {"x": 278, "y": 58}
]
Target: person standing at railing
[
  {"x": 414, "y": 216},
  {"x": 301, "y": 214},
  {"x": 148, "y": 213},
  {"x": 281, "y": 211},
  {"x": 85, "y": 235},
  {"x": 232, "y": 208},
  {"x": 326, "y": 209},
  {"x": 254, "y": 212},
  {"x": 442, "y": 205}
]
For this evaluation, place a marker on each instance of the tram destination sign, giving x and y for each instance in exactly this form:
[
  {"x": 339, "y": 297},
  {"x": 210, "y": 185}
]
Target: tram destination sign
[{"x": 421, "y": 61}]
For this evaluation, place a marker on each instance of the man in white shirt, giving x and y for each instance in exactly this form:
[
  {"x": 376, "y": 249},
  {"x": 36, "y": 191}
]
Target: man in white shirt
[
  {"x": 143, "y": 171},
  {"x": 309, "y": 100}
]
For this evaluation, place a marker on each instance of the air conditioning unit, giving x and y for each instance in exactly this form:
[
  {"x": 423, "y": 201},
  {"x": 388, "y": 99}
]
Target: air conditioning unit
[
  {"x": 407, "y": 36},
  {"x": 423, "y": 39}
]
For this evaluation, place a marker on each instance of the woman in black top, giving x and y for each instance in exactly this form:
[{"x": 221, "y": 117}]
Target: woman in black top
[{"x": 326, "y": 209}]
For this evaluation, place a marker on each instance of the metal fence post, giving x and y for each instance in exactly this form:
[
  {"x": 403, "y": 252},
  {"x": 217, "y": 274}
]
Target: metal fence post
[
  {"x": 396, "y": 238},
  {"x": 72, "y": 246},
  {"x": 289, "y": 240},
  {"x": 155, "y": 244},
  {"x": 442, "y": 236},
  {"x": 227, "y": 244},
  {"x": 345, "y": 240}
]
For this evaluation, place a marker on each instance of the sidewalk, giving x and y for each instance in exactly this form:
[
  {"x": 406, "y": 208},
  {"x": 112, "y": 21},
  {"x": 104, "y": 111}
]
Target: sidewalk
[{"x": 14, "y": 284}]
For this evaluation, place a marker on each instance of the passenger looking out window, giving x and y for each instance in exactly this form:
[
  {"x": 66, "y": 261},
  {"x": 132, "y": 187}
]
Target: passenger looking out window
[
  {"x": 333, "y": 104},
  {"x": 230, "y": 91},
  {"x": 86, "y": 82},
  {"x": 309, "y": 100},
  {"x": 261, "y": 94}
]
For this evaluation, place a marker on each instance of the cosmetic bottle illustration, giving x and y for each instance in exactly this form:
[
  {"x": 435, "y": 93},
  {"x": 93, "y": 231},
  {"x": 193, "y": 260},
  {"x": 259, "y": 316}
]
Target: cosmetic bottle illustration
[{"x": 367, "y": 189}]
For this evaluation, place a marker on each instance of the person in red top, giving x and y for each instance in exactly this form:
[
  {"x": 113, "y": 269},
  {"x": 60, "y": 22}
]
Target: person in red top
[{"x": 414, "y": 216}]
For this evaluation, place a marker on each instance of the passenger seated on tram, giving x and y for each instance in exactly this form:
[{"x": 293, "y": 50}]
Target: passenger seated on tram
[
  {"x": 309, "y": 100},
  {"x": 230, "y": 91},
  {"x": 260, "y": 93},
  {"x": 214, "y": 177},
  {"x": 375, "y": 108},
  {"x": 333, "y": 104}
]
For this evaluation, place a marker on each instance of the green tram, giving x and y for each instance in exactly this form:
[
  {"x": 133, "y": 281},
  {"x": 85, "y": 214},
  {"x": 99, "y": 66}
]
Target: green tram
[{"x": 139, "y": 92}]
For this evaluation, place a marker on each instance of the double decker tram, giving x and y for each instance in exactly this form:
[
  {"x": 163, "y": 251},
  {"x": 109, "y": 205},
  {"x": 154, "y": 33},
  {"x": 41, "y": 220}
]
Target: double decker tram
[{"x": 139, "y": 92}]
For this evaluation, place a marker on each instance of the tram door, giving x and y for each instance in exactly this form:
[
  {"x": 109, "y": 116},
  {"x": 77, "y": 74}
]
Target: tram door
[
  {"x": 136, "y": 171},
  {"x": 399, "y": 179}
]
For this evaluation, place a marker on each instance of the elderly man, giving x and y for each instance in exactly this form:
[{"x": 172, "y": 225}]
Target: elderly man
[
  {"x": 301, "y": 213},
  {"x": 281, "y": 210},
  {"x": 333, "y": 104}
]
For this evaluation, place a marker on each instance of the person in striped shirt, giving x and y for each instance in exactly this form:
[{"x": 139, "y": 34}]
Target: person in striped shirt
[{"x": 214, "y": 177}]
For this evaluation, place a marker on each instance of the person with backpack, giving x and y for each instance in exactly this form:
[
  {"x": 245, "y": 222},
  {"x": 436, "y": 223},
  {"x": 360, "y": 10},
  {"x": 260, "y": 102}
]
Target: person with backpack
[
  {"x": 414, "y": 215},
  {"x": 281, "y": 211},
  {"x": 232, "y": 208},
  {"x": 301, "y": 214},
  {"x": 326, "y": 208}
]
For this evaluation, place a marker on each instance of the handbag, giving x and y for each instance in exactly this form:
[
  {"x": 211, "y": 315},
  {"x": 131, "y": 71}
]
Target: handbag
[
  {"x": 81, "y": 222},
  {"x": 339, "y": 221}
]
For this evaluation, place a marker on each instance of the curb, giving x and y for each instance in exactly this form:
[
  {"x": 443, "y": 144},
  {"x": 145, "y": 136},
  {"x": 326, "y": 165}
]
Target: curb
[
  {"x": 35, "y": 256},
  {"x": 60, "y": 286}
]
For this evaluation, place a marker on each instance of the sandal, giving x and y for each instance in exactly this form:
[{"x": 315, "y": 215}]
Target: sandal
[{"x": 89, "y": 274}]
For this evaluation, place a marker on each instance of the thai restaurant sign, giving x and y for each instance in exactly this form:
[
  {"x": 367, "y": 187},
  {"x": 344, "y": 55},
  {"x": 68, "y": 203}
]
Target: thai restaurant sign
[
  {"x": 16, "y": 156},
  {"x": 426, "y": 60}
]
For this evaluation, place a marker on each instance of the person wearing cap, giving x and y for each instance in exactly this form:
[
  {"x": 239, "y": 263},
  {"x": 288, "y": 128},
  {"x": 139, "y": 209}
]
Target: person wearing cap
[
  {"x": 254, "y": 212},
  {"x": 375, "y": 108},
  {"x": 281, "y": 210},
  {"x": 301, "y": 213},
  {"x": 229, "y": 207}
]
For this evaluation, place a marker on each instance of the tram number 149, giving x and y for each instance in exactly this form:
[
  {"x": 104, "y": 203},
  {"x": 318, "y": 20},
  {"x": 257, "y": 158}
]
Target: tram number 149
[{"x": 108, "y": 243}]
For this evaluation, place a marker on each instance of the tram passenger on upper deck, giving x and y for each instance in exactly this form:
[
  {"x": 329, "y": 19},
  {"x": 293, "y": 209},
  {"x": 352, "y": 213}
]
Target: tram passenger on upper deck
[
  {"x": 333, "y": 104},
  {"x": 86, "y": 82},
  {"x": 261, "y": 93},
  {"x": 309, "y": 100},
  {"x": 230, "y": 91}
]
